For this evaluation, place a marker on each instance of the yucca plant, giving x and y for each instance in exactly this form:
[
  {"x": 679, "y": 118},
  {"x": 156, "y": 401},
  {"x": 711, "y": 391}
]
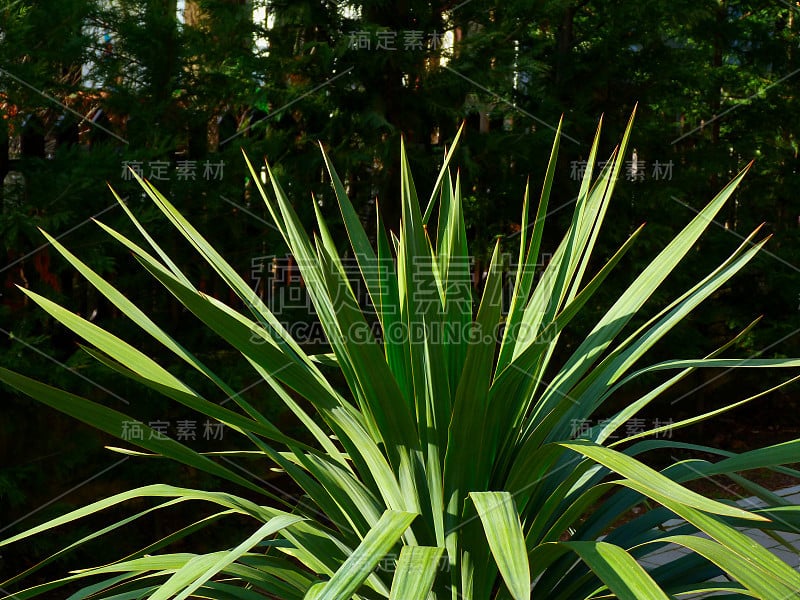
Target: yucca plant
[{"x": 450, "y": 450}]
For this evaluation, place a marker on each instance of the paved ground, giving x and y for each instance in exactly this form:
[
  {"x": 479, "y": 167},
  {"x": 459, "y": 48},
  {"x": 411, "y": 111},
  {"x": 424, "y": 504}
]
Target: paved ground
[{"x": 672, "y": 552}]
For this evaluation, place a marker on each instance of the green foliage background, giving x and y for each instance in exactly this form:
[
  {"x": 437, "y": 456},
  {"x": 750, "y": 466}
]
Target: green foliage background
[{"x": 715, "y": 80}]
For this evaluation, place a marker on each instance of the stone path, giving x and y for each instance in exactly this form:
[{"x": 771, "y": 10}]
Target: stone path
[{"x": 671, "y": 552}]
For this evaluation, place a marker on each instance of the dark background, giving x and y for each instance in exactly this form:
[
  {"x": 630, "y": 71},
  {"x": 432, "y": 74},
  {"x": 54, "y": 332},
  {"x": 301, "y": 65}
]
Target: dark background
[{"x": 88, "y": 87}]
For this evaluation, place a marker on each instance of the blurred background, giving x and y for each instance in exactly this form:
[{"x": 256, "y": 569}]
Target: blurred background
[{"x": 91, "y": 90}]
